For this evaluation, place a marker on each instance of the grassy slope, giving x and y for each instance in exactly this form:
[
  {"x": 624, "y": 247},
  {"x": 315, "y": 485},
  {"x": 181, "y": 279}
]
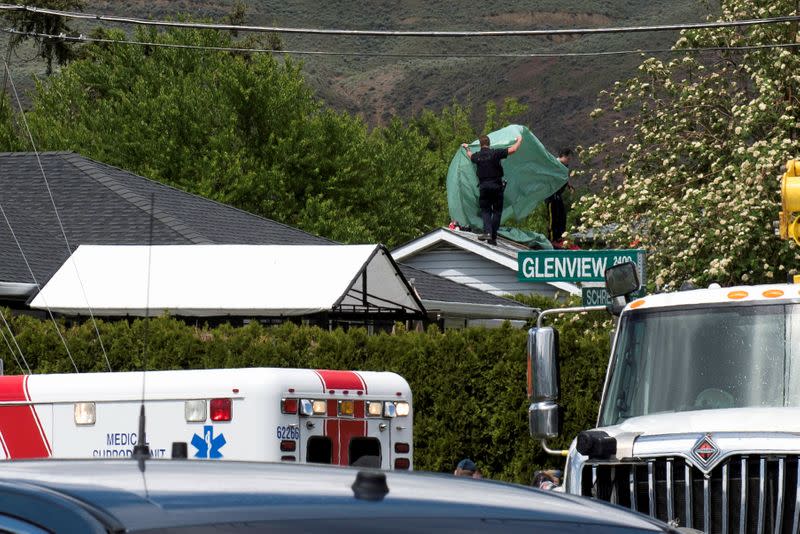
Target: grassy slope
[{"x": 559, "y": 92}]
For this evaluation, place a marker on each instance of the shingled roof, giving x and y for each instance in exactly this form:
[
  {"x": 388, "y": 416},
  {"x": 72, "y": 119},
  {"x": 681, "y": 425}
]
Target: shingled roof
[
  {"x": 101, "y": 205},
  {"x": 435, "y": 291}
]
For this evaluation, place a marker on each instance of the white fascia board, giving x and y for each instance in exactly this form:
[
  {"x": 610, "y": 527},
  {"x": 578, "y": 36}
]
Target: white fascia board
[
  {"x": 441, "y": 235},
  {"x": 16, "y": 289},
  {"x": 421, "y": 243},
  {"x": 417, "y": 246},
  {"x": 476, "y": 311}
]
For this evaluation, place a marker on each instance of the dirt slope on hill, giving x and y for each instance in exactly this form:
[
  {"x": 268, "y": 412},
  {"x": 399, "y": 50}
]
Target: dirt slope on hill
[{"x": 560, "y": 92}]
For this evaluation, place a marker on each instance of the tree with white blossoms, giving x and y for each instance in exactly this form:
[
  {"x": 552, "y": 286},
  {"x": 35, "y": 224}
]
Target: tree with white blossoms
[{"x": 700, "y": 140}]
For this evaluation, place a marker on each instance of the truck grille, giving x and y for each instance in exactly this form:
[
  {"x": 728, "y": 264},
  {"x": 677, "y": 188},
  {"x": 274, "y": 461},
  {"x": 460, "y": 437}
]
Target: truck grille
[{"x": 743, "y": 494}]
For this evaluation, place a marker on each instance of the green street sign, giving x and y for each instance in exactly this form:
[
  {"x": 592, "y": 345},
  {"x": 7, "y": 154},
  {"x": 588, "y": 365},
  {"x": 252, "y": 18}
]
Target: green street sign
[
  {"x": 598, "y": 296},
  {"x": 594, "y": 296},
  {"x": 574, "y": 265}
]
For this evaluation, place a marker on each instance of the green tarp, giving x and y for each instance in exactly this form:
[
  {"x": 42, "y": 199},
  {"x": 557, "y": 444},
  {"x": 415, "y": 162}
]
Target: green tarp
[
  {"x": 526, "y": 237},
  {"x": 532, "y": 173}
]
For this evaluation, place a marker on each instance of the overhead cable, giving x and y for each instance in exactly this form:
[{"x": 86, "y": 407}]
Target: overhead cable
[
  {"x": 399, "y": 33},
  {"x": 85, "y": 39},
  {"x": 63, "y": 233},
  {"x": 14, "y": 338}
]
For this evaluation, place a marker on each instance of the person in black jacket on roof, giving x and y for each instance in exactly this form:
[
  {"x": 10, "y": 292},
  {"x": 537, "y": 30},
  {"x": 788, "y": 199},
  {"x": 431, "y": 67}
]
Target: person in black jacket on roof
[
  {"x": 557, "y": 224},
  {"x": 490, "y": 184}
]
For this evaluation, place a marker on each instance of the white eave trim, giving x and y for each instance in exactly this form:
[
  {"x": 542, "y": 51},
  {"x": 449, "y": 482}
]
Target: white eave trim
[
  {"x": 16, "y": 289},
  {"x": 403, "y": 252},
  {"x": 478, "y": 311},
  {"x": 441, "y": 235}
]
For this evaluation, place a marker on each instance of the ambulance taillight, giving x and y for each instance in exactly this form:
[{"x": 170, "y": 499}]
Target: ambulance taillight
[
  {"x": 289, "y": 405},
  {"x": 402, "y": 463},
  {"x": 221, "y": 409}
]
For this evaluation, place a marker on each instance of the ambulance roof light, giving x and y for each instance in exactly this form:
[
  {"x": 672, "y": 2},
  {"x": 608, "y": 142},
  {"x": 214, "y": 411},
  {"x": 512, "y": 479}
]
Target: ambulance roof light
[
  {"x": 374, "y": 408},
  {"x": 221, "y": 409},
  {"x": 402, "y": 408},
  {"x": 195, "y": 411},
  {"x": 85, "y": 413},
  {"x": 310, "y": 407}
]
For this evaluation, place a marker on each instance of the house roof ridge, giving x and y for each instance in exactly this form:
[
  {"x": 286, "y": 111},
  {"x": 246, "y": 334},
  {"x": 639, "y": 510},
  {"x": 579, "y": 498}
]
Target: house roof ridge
[
  {"x": 88, "y": 167},
  {"x": 195, "y": 195},
  {"x": 32, "y": 153}
]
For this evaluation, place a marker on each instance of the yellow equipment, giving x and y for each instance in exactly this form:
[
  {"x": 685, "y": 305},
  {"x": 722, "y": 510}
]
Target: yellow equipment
[{"x": 790, "y": 202}]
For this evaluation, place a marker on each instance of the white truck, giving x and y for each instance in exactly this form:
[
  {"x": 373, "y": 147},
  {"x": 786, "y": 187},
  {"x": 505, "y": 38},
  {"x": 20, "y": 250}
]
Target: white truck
[
  {"x": 262, "y": 414},
  {"x": 699, "y": 421}
]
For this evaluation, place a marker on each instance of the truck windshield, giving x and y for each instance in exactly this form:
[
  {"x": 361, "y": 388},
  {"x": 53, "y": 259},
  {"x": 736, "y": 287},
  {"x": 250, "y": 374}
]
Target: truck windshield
[{"x": 704, "y": 358}]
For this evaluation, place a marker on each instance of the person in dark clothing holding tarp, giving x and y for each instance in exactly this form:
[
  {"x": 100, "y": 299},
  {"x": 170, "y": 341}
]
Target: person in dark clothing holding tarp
[
  {"x": 490, "y": 184},
  {"x": 555, "y": 206}
]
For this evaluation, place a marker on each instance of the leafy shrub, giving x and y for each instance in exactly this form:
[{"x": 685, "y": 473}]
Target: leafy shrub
[{"x": 468, "y": 385}]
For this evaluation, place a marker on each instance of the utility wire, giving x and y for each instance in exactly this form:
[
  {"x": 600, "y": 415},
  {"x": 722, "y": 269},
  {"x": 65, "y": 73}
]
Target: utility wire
[
  {"x": 16, "y": 344},
  {"x": 399, "y": 33},
  {"x": 63, "y": 233},
  {"x": 33, "y": 277},
  {"x": 14, "y": 354},
  {"x": 85, "y": 39}
]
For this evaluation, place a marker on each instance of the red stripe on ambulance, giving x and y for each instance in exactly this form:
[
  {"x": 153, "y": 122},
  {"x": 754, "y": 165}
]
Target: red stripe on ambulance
[
  {"x": 341, "y": 380},
  {"x": 341, "y": 431},
  {"x": 21, "y": 431}
]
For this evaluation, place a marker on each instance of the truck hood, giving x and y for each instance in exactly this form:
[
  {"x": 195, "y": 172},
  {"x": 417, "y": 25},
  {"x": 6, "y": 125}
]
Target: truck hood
[
  {"x": 707, "y": 421},
  {"x": 729, "y": 431}
]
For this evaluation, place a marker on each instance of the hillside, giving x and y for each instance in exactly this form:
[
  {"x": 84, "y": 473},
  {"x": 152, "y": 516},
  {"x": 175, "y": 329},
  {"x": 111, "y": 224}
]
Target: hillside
[{"x": 560, "y": 92}]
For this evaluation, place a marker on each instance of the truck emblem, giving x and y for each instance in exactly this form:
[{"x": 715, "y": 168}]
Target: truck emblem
[{"x": 705, "y": 450}]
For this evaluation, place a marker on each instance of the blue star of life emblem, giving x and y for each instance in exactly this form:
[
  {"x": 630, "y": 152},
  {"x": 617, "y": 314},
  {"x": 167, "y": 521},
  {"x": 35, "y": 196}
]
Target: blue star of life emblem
[{"x": 208, "y": 445}]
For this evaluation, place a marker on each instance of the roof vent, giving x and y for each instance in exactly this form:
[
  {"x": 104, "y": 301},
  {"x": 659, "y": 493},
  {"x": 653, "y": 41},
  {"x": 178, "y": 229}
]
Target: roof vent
[
  {"x": 714, "y": 285},
  {"x": 687, "y": 286},
  {"x": 370, "y": 486}
]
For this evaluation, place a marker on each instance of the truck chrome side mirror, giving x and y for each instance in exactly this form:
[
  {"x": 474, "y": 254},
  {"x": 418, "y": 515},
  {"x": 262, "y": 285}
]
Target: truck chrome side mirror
[
  {"x": 621, "y": 280},
  {"x": 544, "y": 420},
  {"x": 544, "y": 414}
]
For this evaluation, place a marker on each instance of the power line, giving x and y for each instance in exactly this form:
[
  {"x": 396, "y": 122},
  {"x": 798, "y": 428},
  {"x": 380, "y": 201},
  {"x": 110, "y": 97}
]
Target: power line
[
  {"x": 16, "y": 344},
  {"x": 85, "y": 39},
  {"x": 400, "y": 33},
  {"x": 63, "y": 233},
  {"x": 11, "y": 350}
]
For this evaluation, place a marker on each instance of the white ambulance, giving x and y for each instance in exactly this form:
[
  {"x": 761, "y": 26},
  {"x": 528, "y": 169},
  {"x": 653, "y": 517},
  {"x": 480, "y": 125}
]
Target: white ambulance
[{"x": 260, "y": 414}]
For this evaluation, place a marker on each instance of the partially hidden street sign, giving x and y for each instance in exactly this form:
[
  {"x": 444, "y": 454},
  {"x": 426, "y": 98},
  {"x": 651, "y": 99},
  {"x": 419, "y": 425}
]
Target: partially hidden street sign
[
  {"x": 587, "y": 266},
  {"x": 598, "y": 296},
  {"x": 573, "y": 265}
]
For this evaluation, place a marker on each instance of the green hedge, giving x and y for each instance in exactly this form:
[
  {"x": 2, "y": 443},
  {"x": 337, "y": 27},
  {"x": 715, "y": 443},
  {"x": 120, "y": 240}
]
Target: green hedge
[{"x": 468, "y": 385}]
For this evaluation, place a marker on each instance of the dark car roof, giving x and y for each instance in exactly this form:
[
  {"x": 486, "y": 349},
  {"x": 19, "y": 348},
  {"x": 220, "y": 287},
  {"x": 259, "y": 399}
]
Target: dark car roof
[{"x": 175, "y": 494}]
